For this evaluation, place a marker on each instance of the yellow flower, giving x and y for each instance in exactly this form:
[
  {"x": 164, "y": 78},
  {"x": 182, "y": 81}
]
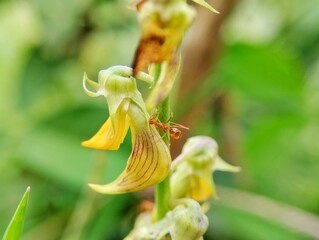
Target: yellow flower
[
  {"x": 193, "y": 168},
  {"x": 149, "y": 161}
]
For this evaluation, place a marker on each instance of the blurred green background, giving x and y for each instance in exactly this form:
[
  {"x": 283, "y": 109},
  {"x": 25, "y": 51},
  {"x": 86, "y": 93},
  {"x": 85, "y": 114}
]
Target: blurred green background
[{"x": 268, "y": 72}]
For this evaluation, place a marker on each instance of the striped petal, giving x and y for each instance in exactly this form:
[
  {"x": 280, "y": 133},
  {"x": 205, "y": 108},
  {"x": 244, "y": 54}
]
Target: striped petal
[{"x": 147, "y": 165}]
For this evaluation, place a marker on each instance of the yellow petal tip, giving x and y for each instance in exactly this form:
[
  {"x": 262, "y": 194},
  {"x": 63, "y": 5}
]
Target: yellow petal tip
[
  {"x": 100, "y": 188},
  {"x": 203, "y": 3}
]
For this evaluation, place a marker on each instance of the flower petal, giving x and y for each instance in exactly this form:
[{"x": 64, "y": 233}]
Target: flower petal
[
  {"x": 180, "y": 183},
  {"x": 110, "y": 136},
  {"x": 221, "y": 165},
  {"x": 165, "y": 82},
  {"x": 203, "y": 187},
  {"x": 147, "y": 165},
  {"x": 204, "y": 4},
  {"x": 92, "y": 84}
]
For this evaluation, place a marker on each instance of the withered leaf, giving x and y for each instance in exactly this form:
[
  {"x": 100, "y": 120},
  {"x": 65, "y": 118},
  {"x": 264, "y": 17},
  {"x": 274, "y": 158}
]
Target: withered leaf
[
  {"x": 151, "y": 48},
  {"x": 159, "y": 40}
]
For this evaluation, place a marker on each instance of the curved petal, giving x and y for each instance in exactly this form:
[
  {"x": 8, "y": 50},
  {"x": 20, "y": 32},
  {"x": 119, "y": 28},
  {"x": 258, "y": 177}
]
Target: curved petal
[
  {"x": 147, "y": 165},
  {"x": 204, "y": 4},
  {"x": 180, "y": 183},
  {"x": 126, "y": 72},
  {"x": 110, "y": 136},
  {"x": 165, "y": 82},
  {"x": 221, "y": 165},
  {"x": 93, "y": 84}
]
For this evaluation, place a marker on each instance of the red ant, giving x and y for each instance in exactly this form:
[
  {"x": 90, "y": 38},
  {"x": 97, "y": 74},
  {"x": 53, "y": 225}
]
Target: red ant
[{"x": 172, "y": 128}]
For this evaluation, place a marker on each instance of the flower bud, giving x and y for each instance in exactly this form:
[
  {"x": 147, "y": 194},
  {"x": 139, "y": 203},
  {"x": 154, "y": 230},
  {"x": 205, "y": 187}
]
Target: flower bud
[
  {"x": 189, "y": 223},
  {"x": 185, "y": 222},
  {"x": 193, "y": 169}
]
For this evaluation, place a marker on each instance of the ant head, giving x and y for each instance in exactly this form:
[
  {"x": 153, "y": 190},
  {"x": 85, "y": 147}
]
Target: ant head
[{"x": 152, "y": 120}]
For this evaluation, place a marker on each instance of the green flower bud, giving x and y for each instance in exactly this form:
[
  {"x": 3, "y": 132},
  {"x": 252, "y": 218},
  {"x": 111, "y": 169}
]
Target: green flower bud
[
  {"x": 185, "y": 222},
  {"x": 189, "y": 223},
  {"x": 193, "y": 168}
]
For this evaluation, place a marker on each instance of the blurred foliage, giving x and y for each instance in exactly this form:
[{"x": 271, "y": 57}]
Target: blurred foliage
[{"x": 269, "y": 72}]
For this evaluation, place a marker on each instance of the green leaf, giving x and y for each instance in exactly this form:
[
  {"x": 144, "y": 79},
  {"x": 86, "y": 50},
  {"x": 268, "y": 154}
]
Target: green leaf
[
  {"x": 14, "y": 229},
  {"x": 262, "y": 74}
]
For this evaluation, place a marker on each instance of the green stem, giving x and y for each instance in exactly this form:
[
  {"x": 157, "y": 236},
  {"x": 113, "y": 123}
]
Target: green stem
[{"x": 162, "y": 192}]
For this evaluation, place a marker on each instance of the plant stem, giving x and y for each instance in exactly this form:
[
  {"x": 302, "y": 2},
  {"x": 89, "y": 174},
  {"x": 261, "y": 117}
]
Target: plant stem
[{"x": 162, "y": 192}]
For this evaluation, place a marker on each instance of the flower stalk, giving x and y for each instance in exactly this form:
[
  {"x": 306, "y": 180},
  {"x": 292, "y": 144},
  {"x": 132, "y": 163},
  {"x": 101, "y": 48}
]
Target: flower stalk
[{"x": 162, "y": 190}]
